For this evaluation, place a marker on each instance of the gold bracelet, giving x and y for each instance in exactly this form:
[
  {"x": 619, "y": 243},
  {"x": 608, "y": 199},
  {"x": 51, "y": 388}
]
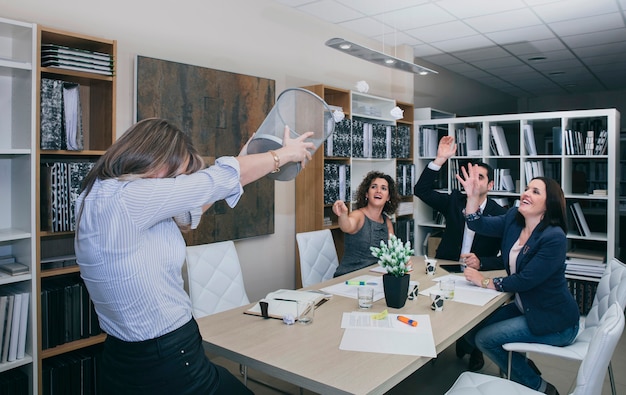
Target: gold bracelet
[{"x": 276, "y": 162}]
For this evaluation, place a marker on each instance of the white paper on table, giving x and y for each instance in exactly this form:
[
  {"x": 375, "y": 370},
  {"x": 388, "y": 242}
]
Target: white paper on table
[
  {"x": 388, "y": 336},
  {"x": 465, "y": 291},
  {"x": 349, "y": 291}
]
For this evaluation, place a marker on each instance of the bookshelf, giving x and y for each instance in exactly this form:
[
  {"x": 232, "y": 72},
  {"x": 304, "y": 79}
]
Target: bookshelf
[
  {"x": 589, "y": 178},
  {"x": 18, "y": 42},
  {"x": 353, "y": 159},
  {"x": 56, "y": 158}
]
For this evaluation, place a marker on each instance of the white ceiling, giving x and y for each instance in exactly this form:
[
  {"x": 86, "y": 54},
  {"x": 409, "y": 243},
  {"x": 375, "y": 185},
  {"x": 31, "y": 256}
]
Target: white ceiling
[{"x": 493, "y": 41}]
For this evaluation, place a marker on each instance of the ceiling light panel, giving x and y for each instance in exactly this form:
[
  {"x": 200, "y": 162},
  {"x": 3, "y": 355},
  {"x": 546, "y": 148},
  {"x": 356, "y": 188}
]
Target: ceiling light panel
[{"x": 374, "y": 56}]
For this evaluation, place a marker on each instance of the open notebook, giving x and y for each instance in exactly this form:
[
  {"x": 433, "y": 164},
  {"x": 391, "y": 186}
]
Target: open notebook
[{"x": 285, "y": 301}]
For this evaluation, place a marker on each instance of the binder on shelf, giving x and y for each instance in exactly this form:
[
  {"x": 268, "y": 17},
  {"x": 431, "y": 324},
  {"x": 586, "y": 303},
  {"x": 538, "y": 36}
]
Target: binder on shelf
[
  {"x": 529, "y": 139},
  {"x": 7, "y": 328},
  {"x": 4, "y": 301},
  {"x": 601, "y": 143},
  {"x": 579, "y": 217},
  {"x": 500, "y": 141},
  {"x": 429, "y": 143},
  {"x": 506, "y": 181},
  {"x": 15, "y": 327},
  {"x": 471, "y": 141},
  {"x": 589, "y": 142},
  {"x": 51, "y": 118},
  {"x": 21, "y": 340},
  {"x": 72, "y": 116}
]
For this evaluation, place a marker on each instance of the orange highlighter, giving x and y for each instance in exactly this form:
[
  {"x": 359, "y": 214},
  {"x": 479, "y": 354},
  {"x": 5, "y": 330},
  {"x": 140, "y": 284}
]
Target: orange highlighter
[{"x": 407, "y": 320}]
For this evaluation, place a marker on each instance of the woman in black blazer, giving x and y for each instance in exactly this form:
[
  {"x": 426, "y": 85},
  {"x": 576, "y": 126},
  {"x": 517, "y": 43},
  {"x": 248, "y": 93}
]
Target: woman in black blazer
[{"x": 533, "y": 249}]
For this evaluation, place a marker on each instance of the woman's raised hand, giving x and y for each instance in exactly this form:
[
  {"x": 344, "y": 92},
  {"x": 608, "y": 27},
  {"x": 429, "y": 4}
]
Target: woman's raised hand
[{"x": 296, "y": 150}]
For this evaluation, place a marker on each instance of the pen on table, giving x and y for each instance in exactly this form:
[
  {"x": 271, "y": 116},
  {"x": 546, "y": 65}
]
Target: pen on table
[
  {"x": 407, "y": 320},
  {"x": 353, "y": 282}
]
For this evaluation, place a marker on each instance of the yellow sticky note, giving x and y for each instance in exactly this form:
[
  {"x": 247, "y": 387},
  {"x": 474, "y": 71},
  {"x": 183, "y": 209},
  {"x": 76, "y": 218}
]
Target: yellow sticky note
[{"x": 380, "y": 316}]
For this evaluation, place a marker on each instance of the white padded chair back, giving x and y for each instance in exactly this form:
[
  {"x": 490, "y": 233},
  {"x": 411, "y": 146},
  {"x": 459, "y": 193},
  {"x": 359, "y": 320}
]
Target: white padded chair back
[
  {"x": 594, "y": 366},
  {"x": 215, "y": 279},
  {"x": 611, "y": 289},
  {"x": 590, "y": 373},
  {"x": 318, "y": 257}
]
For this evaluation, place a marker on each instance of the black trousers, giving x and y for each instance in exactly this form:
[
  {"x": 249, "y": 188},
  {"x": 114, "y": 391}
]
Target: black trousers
[{"x": 174, "y": 363}]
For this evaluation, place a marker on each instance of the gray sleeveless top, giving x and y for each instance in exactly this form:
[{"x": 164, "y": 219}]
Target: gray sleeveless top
[{"x": 357, "y": 254}]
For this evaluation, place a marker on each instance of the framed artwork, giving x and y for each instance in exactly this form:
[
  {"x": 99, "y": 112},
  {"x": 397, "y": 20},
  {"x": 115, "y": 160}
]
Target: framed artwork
[{"x": 220, "y": 110}]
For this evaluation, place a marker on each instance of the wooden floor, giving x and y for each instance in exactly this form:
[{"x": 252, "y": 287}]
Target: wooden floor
[{"x": 439, "y": 375}]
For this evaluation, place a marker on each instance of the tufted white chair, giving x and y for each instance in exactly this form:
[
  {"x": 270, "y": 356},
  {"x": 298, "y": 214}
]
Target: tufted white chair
[
  {"x": 590, "y": 373},
  {"x": 215, "y": 279},
  {"x": 318, "y": 257},
  {"x": 215, "y": 283},
  {"x": 611, "y": 289}
]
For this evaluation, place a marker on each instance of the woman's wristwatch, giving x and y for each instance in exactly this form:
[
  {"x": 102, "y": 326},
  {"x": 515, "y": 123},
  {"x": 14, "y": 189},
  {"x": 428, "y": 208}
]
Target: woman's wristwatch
[{"x": 485, "y": 282}]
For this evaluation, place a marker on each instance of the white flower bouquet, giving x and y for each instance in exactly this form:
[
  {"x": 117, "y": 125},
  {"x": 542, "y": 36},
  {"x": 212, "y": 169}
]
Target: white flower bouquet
[{"x": 394, "y": 256}]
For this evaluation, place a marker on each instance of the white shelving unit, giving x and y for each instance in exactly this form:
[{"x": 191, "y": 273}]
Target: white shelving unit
[
  {"x": 578, "y": 175},
  {"x": 18, "y": 43}
]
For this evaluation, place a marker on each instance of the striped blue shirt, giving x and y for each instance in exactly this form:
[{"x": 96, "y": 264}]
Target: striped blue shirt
[{"x": 130, "y": 250}]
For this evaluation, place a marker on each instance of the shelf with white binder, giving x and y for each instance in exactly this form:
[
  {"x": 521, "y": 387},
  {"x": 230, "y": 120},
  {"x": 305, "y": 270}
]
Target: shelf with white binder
[
  {"x": 18, "y": 331},
  {"x": 561, "y": 145}
]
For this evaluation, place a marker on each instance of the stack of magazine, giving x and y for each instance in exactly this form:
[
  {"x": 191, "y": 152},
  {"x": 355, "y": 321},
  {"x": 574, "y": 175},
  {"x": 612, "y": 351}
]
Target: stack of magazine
[{"x": 59, "y": 56}]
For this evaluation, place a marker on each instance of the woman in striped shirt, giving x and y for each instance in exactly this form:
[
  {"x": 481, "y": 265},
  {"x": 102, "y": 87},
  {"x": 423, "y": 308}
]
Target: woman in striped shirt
[{"x": 150, "y": 184}]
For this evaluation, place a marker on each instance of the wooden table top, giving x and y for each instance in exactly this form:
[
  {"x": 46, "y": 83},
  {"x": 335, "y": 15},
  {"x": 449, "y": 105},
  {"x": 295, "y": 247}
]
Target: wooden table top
[{"x": 309, "y": 356}]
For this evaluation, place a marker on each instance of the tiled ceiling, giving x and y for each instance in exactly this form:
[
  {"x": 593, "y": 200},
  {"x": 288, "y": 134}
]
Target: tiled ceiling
[{"x": 526, "y": 48}]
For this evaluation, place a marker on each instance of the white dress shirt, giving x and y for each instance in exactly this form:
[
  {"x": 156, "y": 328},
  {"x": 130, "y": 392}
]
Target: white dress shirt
[{"x": 130, "y": 250}]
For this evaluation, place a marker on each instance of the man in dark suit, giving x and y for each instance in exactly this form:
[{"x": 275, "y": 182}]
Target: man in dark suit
[{"x": 458, "y": 242}]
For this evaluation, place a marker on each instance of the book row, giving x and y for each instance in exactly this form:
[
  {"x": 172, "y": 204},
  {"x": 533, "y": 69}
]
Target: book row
[
  {"x": 468, "y": 140},
  {"x": 587, "y": 268},
  {"x": 72, "y": 373},
  {"x": 358, "y": 139},
  {"x": 584, "y": 292},
  {"x": 14, "y": 382},
  {"x": 61, "y": 116},
  {"x": 68, "y": 58},
  {"x": 61, "y": 184},
  {"x": 13, "y": 324},
  {"x": 67, "y": 312}
]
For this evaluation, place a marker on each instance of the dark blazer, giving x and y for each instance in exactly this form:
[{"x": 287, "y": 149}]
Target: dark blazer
[
  {"x": 539, "y": 277},
  {"x": 451, "y": 206}
]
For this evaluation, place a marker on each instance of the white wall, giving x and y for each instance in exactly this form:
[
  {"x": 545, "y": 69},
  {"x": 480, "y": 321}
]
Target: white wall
[{"x": 254, "y": 37}]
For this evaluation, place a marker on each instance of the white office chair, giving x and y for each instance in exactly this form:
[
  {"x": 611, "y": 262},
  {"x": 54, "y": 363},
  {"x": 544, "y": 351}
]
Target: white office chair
[
  {"x": 590, "y": 373},
  {"x": 318, "y": 257},
  {"x": 215, "y": 284},
  {"x": 611, "y": 289},
  {"x": 215, "y": 279}
]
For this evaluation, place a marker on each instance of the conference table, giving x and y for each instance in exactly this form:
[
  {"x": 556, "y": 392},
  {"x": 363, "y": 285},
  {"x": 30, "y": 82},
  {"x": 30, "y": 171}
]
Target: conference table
[{"x": 309, "y": 356}]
